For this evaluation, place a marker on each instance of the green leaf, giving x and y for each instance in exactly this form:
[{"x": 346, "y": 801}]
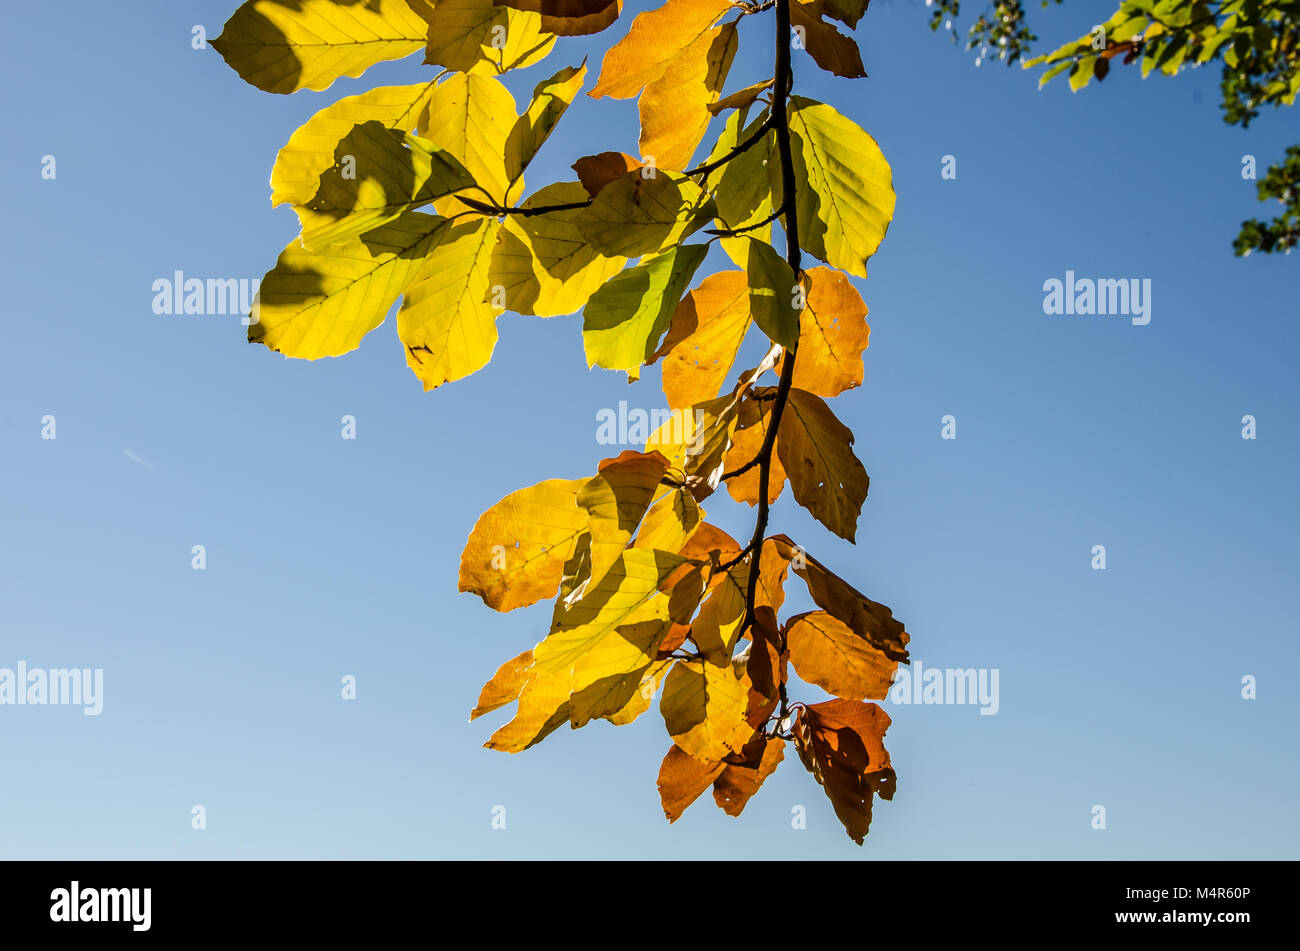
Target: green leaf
[
  {"x": 642, "y": 212},
  {"x": 624, "y": 320},
  {"x": 846, "y": 197},
  {"x": 772, "y": 290}
]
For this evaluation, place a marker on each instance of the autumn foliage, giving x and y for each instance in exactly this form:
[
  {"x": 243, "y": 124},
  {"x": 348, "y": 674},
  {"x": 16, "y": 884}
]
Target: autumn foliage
[{"x": 417, "y": 193}]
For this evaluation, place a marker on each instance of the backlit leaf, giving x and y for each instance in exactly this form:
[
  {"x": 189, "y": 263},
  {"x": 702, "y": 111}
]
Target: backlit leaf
[
  {"x": 827, "y": 653},
  {"x": 829, "y": 48},
  {"x": 378, "y": 174},
  {"x": 475, "y": 36},
  {"x": 640, "y": 214},
  {"x": 570, "y": 17},
  {"x": 816, "y": 451},
  {"x": 285, "y": 45},
  {"x": 841, "y": 744},
  {"x": 543, "y": 263},
  {"x": 550, "y": 99},
  {"x": 654, "y": 40},
  {"x": 515, "y": 554},
  {"x": 772, "y": 292},
  {"x": 703, "y": 706},
  {"x": 675, "y": 107},
  {"x": 624, "y": 320},
  {"x": 682, "y": 780},
  {"x": 848, "y": 201},
  {"x": 707, "y": 328},
  {"x": 833, "y": 332},
  {"x": 311, "y": 149},
  {"x": 447, "y": 322},
  {"x": 321, "y": 303},
  {"x": 470, "y": 117},
  {"x": 866, "y": 618}
]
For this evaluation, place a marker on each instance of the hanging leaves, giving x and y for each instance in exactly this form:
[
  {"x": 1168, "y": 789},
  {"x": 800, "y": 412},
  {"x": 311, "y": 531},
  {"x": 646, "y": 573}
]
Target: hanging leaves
[{"x": 414, "y": 197}]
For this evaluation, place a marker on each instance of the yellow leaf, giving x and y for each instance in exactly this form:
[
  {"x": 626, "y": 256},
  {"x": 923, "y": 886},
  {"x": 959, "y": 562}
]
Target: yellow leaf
[
  {"x": 286, "y": 45},
  {"x": 670, "y": 522},
  {"x": 543, "y": 263},
  {"x": 469, "y": 117},
  {"x": 703, "y": 706},
  {"x": 311, "y": 149},
  {"x": 475, "y": 36},
  {"x": 655, "y": 39},
  {"x": 746, "y": 443},
  {"x": 829, "y": 48},
  {"x": 321, "y": 303},
  {"x": 705, "y": 335},
  {"x": 816, "y": 450},
  {"x": 543, "y": 707},
  {"x": 641, "y": 214},
  {"x": 741, "y": 98},
  {"x": 615, "y": 500},
  {"x": 716, "y": 628},
  {"x": 550, "y": 99},
  {"x": 447, "y": 322},
  {"x": 505, "y": 685},
  {"x": 515, "y": 554},
  {"x": 848, "y": 200},
  {"x": 674, "y": 108},
  {"x": 378, "y": 174},
  {"x": 590, "y": 637},
  {"x": 825, "y": 652},
  {"x": 833, "y": 332}
]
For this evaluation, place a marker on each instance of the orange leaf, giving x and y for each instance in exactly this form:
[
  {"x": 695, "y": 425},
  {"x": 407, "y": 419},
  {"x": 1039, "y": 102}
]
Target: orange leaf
[{"x": 841, "y": 742}]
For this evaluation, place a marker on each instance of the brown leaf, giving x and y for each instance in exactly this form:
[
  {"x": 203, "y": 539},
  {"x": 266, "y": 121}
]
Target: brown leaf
[
  {"x": 829, "y": 48},
  {"x": 816, "y": 450},
  {"x": 827, "y": 653},
  {"x": 569, "y": 17},
  {"x": 597, "y": 171},
  {"x": 841, "y": 743},
  {"x": 864, "y": 617},
  {"x": 737, "y": 784},
  {"x": 682, "y": 778}
]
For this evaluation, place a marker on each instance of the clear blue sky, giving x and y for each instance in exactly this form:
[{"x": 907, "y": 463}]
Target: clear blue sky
[{"x": 328, "y": 557}]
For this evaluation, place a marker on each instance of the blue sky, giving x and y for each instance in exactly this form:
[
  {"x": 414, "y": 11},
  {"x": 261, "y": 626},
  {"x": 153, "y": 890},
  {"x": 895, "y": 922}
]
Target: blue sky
[{"x": 328, "y": 557}]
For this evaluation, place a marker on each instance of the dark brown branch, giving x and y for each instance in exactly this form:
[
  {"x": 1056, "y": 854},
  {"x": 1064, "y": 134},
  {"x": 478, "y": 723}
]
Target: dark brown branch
[
  {"x": 738, "y": 150},
  {"x": 497, "y": 210},
  {"x": 781, "y": 121},
  {"x": 733, "y": 232}
]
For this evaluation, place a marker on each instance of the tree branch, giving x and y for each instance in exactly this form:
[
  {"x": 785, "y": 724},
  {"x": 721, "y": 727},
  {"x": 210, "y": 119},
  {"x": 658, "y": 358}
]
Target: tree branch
[
  {"x": 739, "y": 149},
  {"x": 780, "y": 120}
]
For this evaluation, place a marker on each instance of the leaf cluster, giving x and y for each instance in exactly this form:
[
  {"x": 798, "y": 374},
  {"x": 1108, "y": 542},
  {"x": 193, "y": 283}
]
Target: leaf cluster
[{"x": 416, "y": 193}]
